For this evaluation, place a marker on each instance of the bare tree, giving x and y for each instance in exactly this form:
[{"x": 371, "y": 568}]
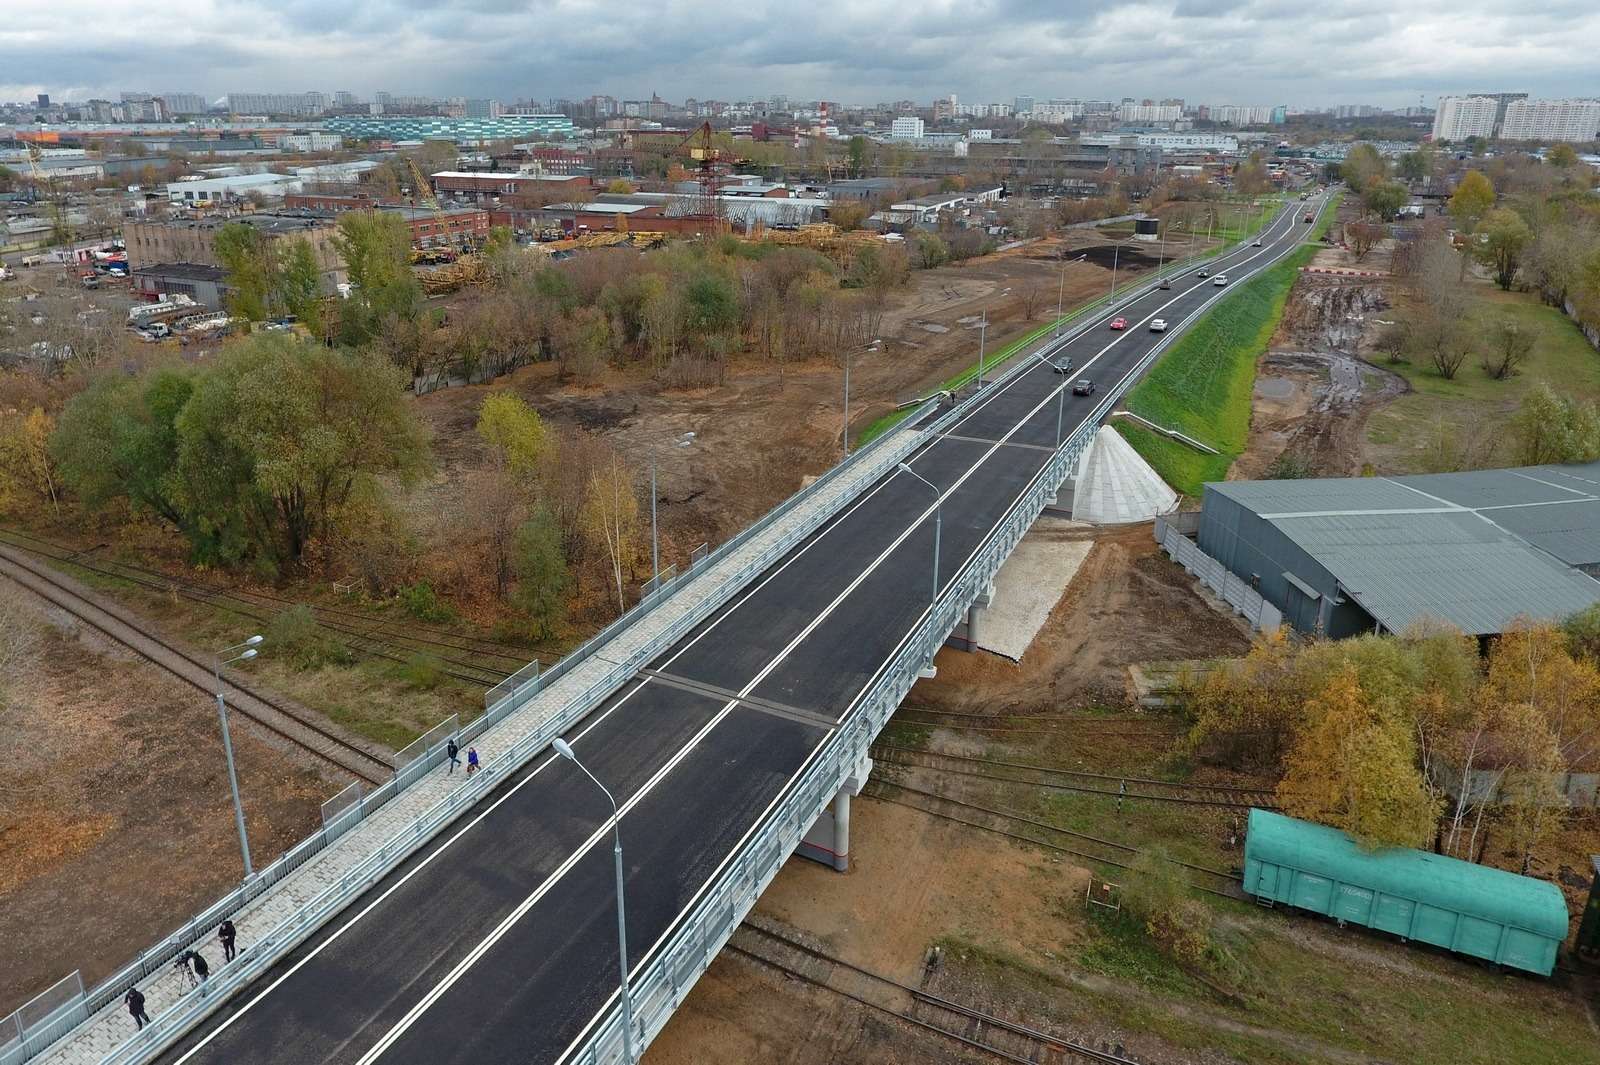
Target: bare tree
[
  {"x": 1362, "y": 238},
  {"x": 1394, "y": 340},
  {"x": 1030, "y": 297},
  {"x": 1507, "y": 348}
]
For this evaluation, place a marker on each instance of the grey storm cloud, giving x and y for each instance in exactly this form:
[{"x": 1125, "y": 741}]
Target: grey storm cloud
[{"x": 1242, "y": 51}]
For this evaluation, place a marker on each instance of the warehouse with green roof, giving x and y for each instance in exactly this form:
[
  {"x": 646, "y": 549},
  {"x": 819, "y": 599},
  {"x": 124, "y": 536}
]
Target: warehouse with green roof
[{"x": 1342, "y": 556}]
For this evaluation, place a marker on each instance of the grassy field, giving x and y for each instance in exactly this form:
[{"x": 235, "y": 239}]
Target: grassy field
[
  {"x": 1439, "y": 420},
  {"x": 1229, "y": 236},
  {"x": 1202, "y": 386}
]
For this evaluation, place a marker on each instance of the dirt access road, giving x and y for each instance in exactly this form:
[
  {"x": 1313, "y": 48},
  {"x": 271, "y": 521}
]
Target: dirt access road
[{"x": 1314, "y": 392}]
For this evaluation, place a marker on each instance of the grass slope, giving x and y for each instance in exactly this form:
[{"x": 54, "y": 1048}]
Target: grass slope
[
  {"x": 1203, "y": 384},
  {"x": 1228, "y": 235}
]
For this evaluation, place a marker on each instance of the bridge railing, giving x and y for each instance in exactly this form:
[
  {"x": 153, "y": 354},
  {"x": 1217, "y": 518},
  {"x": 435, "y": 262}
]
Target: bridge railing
[
  {"x": 266, "y": 950},
  {"x": 665, "y": 978}
]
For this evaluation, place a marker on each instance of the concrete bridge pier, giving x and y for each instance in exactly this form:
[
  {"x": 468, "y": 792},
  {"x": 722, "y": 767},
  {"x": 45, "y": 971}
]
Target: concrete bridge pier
[
  {"x": 828, "y": 839},
  {"x": 965, "y": 636}
]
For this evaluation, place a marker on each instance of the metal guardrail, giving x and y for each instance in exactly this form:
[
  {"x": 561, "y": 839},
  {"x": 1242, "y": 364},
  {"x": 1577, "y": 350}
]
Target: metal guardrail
[
  {"x": 42, "y": 1018},
  {"x": 267, "y": 949},
  {"x": 666, "y": 978}
]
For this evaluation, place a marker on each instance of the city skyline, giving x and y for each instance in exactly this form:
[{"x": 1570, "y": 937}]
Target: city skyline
[{"x": 1247, "y": 53}]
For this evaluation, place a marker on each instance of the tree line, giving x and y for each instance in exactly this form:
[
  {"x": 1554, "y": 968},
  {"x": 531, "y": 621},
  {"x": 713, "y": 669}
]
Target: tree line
[{"x": 1388, "y": 737}]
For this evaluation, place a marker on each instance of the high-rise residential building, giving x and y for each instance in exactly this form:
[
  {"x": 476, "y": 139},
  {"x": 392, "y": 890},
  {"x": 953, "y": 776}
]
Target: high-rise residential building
[
  {"x": 1148, "y": 113},
  {"x": 1479, "y": 114},
  {"x": 907, "y": 126},
  {"x": 1022, "y": 105},
  {"x": 1551, "y": 120},
  {"x": 184, "y": 103},
  {"x": 43, "y": 101},
  {"x": 276, "y": 103},
  {"x": 1236, "y": 115},
  {"x": 484, "y": 109},
  {"x": 344, "y": 99}
]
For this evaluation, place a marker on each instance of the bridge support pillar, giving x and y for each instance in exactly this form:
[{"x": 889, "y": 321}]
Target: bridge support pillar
[{"x": 828, "y": 839}]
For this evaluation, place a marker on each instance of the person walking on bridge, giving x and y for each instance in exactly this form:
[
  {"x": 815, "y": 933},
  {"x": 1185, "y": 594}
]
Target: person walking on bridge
[
  {"x": 452, "y": 752},
  {"x": 472, "y": 760},
  {"x": 226, "y": 934},
  {"x": 135, "y": 1000}
]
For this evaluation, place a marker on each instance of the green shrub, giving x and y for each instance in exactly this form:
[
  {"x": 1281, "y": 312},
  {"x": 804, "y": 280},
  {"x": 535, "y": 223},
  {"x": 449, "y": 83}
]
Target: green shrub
[
  {"x": 424, "y": 604},
  {"x": 1156, "y": 892},
  {"x": 296, "y": 636},
  {"x": 422, "y": 671}
]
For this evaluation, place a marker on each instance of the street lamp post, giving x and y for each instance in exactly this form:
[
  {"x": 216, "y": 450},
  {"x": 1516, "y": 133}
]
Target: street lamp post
[
  {"x": 564, "y": 749},
  {"x": 983, "y": 331},
  {"x": 938, "y": 503},
  {"x": 849, "y": 357},
  {"x": 1061, "y": 290},
  {"x": 1116, "y": 253},
  {"x": 655, "y": 540},
  {"x": 247, "y": 651}
]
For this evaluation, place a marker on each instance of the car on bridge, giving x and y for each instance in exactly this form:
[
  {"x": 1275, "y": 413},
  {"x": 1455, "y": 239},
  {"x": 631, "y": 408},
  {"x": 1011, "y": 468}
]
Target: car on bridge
[
  {"x": 1083, "y": 387},
  {"x": 1158, "y": 325},
  {"x": 1202, "y": 272},
  {"x": 1166, "y": 282},
  {"x": 1256, "y": 243},
  {"x": 1222, "y": 279},
  {"x": 1119, "y": 323},
  {"x": 1062, "y": 364}
]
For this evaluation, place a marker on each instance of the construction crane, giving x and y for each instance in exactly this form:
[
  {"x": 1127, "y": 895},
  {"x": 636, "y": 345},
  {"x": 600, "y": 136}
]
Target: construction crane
[
  {"x": 701, "y": 148},
  {"x": 425, "y": 194}
]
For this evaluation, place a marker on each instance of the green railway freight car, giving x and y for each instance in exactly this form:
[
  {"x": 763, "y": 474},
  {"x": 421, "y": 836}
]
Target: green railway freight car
[{"x": 1486, "y": 913}]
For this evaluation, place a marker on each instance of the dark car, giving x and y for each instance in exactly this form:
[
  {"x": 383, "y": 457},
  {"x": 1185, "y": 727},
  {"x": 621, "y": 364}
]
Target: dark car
[
  {"x": 1062, "y": 364},
  {"x": 1083, "y": 387},
  {"x": 1165, "y": 283}
]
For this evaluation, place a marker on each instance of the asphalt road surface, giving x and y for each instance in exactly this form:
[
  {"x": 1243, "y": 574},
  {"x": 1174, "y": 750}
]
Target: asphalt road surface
[{"x": 496, "y": 943}]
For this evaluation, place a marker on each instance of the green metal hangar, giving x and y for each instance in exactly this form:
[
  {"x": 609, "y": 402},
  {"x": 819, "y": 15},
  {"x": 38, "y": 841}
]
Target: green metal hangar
[{"x": 1342, "y": 556}]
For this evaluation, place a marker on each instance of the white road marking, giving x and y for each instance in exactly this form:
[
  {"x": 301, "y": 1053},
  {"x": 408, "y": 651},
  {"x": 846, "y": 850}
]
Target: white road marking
[{"x": 694, "y": 741}]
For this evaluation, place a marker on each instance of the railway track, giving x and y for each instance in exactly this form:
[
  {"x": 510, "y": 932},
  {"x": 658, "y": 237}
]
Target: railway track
[
  {"x": 1110, "y": 785},
  {"x": 280, "y": 720},
  {"x": 358, "y": 632},
  {"x": 973, "y": 1029},
  {"x": 1028, "y": 829}
]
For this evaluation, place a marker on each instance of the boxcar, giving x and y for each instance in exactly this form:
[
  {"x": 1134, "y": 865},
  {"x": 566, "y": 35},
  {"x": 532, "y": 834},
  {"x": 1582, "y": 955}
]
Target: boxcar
[{"x": 1511, "y": 920}]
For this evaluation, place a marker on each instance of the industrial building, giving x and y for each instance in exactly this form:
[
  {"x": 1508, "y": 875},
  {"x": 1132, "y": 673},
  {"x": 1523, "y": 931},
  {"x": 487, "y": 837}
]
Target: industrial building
[
  {"x": 434, "y": 127},
  {"x": 193, "y": 241},
  {"x": 1361, "y": 554},
  {"x": 215, "y": 190}
]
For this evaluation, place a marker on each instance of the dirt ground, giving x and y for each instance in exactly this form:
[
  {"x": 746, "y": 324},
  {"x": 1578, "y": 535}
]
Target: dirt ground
[
  {"x": 772, "y": 425},
  {"x": 116, "y": 823},
  {"x": 1128, "y": 603},
  {"x": 1313, "y": 391}
]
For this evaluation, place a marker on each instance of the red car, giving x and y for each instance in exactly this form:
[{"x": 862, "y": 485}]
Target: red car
[{"x": 1119, "y": 323}]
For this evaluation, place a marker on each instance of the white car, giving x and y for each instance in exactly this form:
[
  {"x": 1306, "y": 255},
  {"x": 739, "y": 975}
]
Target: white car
[
  {"x": 1222, "y": 279},
  {"x": 1255, "y": 243},
  {"x": 1158, "y": 325}
]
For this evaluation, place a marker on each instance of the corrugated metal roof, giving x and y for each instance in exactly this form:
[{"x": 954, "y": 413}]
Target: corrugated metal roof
[
  {"x": 1475, "y": 549},
  {"x": 1453, "y": 566},
  {"x": 1319, "y": 495}
]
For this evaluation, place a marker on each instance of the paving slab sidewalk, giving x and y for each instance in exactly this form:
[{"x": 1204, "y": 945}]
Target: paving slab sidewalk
[{"x": 103, "y": 1032}]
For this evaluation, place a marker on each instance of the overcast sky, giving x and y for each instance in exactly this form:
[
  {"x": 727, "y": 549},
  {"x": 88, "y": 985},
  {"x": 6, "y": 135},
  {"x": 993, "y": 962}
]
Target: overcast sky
[{"x": 852, "y": 51}]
